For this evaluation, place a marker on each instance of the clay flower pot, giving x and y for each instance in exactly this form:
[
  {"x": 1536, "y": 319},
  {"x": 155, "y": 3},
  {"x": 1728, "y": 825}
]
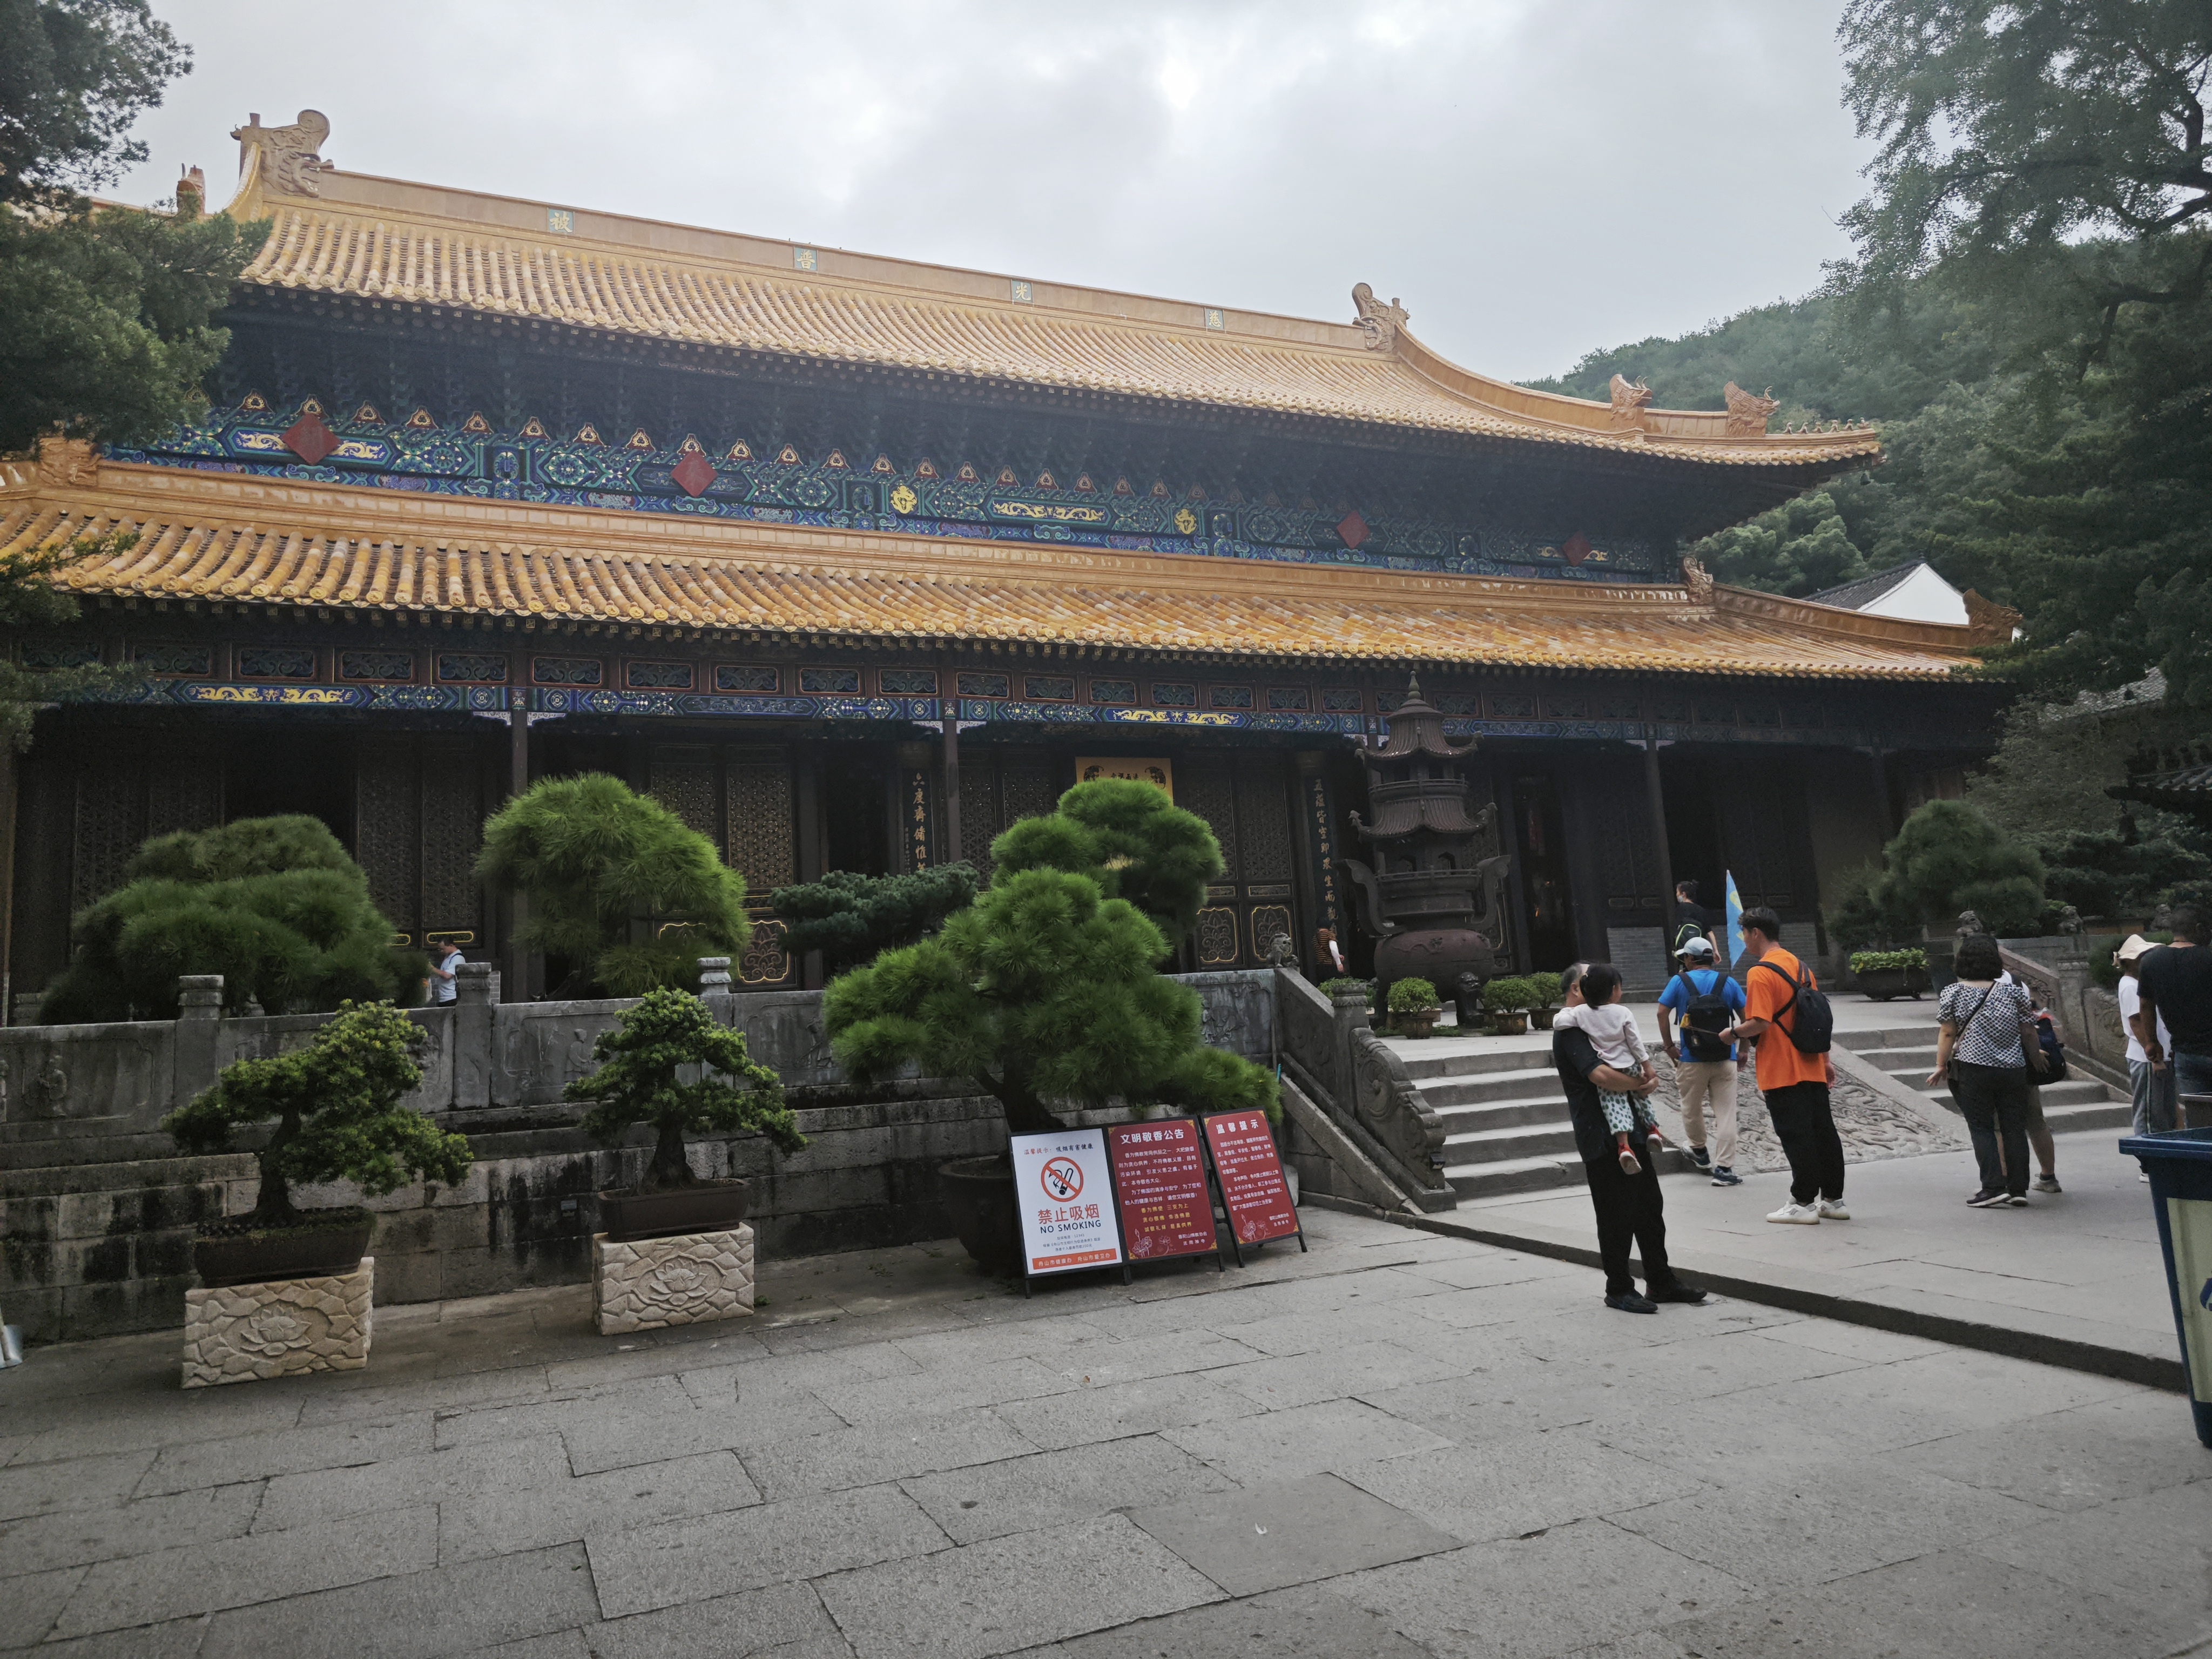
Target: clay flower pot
[
  {"x": 711, "y": 1206},
  {"x": 1419, "y": 1022},
  {"x": 1513, "y": 1024}
]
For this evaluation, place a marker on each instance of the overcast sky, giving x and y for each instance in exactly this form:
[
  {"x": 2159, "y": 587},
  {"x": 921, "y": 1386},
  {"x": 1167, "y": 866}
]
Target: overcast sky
[{"x": 1534, "y": 180}]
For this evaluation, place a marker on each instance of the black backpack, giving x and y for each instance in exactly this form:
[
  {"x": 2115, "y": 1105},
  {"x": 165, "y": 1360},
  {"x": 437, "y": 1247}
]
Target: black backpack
[
  {"x": 2054, "y": 1051},
  {"x": 1705, "y": 1014},
  {"x": 1815, "y": 1031}
]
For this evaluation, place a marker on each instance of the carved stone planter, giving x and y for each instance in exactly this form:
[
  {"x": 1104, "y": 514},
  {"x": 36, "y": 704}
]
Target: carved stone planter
[
  {"x": 649, "y": 1284},
  {"x": 281, "y": 1328}
]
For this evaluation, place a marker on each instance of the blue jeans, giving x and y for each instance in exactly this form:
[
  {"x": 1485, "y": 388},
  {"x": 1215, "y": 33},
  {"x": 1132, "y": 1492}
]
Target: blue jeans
[{"x": 2192, "y": 1073}]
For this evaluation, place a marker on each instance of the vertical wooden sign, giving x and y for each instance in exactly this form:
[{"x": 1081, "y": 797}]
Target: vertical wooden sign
[
  {"x": 1159, "y": 1181},
  {"x": 1253, "y": 1188}
]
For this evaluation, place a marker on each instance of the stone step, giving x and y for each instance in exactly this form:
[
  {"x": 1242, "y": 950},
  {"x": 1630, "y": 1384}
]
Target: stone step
[
  {"x": 1509, "y": 1143},
  {"x": 1466, "y": 1090},
  {"x": 1903, "y": 1061},
  {"x": 1496, "y": 1114},
  {"x": 1521, "y": 1175},
  {"x": 2067, "y": 1106},
  {"x": 1438, "y": 1058},
  {"x": 1890, "y": 1036}
]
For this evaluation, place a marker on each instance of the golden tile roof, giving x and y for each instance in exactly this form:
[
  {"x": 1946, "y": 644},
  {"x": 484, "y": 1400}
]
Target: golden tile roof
[
  {"x": 224, "y": 538},
  {"x": 381, "y": 242}
]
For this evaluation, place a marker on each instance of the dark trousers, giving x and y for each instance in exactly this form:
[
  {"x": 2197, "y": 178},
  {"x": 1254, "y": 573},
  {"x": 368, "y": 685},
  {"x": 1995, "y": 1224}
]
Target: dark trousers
[
  {"x": 1629, "y": 1209},
  {"x": 1807, "y": 1129},
  {"x": 1994, "y": 1101}
]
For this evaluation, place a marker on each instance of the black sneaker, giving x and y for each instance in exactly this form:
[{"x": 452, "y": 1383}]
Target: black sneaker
[
  {"x": 1629, "y": 1301},
  {"x": 1988, "y": 1200},
  {"x": 1724, "y": 1176},
  {"x": 1700, "y": 1157},
  {"x": 1677, "y": 1291}
]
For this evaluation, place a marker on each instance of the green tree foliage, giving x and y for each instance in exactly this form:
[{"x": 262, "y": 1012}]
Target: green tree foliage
[
  {"x": 615, "y": 884},
  {"x": 668, "y": 1063},
  {"x": 30, "y": 609},
  {"x": 1946, "y": 858},
  {"x": 274, "y": 905},
  {"x": 1132, "y": 840},
  {"x": 853, "y": 918},
  {"x": 335, "y": 1105},
  {"x": 1798, "y": 548},
  {"x": 1045, "y": 992},
  {"x": 106, "y": 318},
  {"x": 74, "y": 76}
]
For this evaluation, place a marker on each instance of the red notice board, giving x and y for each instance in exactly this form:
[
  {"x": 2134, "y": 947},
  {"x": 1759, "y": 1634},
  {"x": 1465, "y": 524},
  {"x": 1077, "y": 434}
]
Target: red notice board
[
  {"x": 1159, "y": 1179},
  {"x": 1252, "y": 1189}
]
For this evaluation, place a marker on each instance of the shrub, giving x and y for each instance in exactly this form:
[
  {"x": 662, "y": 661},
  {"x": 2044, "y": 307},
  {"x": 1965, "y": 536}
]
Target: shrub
[
  {"x": 1874, "y": 961},
  {"x": 1510, "y": 993},
  {"x": 1044, "y": 991},
  {"x": 335, "y": 1106},
  {"x": 1545, "y": 988},
  {"x": 1948, "y": 858},
  {"x": 593, "y": 858},
  {"x": 854, "y": 919},
  {"x": 274, "y": 905},
  {"x": 1132, "y": 840},
  {"x": 1343, "y": 987},
  {"x": 1413, "y": 996},
  {"x": 640, "y": 1080}
]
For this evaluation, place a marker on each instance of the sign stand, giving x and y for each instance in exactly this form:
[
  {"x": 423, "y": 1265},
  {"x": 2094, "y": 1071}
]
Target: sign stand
[
  {"x": 1064, "y": 1206},
  {"x": 1161, "y": 1194},
  {"x": 1255, "y": 1195}
]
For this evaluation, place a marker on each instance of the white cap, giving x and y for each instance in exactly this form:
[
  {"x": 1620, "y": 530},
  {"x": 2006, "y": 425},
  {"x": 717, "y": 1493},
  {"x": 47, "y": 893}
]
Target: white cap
[{"x": 1699, "y": 946}]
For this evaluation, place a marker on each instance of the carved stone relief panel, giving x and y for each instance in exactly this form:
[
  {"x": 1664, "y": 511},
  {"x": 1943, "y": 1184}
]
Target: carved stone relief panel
[{"x": 387, "y": 828}]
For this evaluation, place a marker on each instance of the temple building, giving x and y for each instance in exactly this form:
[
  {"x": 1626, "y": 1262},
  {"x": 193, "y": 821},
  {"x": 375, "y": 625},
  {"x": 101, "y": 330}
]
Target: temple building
[{"x": 853, "y": 560}]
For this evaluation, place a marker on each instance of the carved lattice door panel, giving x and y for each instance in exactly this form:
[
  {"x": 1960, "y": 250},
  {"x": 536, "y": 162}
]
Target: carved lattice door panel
[
  {"x": 1763, "y": 840},
  {"x": 387, "y": 836},
  {"x": 1248, "y": 804},
  {"x": 452, "y": 836},
  {"x": 760, "y": 807}
]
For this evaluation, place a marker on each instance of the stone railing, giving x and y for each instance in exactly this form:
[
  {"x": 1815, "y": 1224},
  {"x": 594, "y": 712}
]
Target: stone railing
[
  {"x": 1333, "y": 1059},
  {"x": 2055, "y": 970}
]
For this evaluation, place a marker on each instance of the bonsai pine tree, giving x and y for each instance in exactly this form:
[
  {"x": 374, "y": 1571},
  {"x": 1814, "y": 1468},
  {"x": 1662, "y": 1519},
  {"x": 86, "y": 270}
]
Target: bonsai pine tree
[
  {"x": 336, "y": 1104},
  {"x": 274, "y": 905},
  {"x": 854, "y": 919},
  {"x": 1046, "y": 993},
  {"x": 1132, "y": 840},
  {"x": 616, "y": 883},
  {"x": 640, "y": 1080},
  {"x": 1948, "y": 858}
]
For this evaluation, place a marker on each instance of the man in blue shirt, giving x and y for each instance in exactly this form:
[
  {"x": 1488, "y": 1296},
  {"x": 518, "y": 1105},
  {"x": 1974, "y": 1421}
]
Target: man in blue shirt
[{"x": 1706, "y": 1000}]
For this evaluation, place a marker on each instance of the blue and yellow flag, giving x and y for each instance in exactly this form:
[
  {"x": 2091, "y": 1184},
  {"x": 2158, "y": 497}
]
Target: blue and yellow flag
[{"x": 1735, "y": 920}]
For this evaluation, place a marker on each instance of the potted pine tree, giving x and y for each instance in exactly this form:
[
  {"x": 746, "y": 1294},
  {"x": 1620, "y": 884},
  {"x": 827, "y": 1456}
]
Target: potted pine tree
[
  {"x": 337, "y": 1114},
  {"x": 668, "y": 1063}
]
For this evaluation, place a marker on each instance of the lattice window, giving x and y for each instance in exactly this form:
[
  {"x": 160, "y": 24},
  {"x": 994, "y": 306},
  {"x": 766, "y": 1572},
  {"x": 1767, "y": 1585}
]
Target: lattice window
[
  {"x": 1511, "y": 706},
  {"x": 275, "y": 662},
  {"x": 453, "y": 833},
  {"x": 1025, "y": 787},
  {"x": 1217, "y": 937},
  {"x": 1342, "y": 700},
  {"x": 1205, "y": 790},
  {"x": 388, "y": 832},
  {"x": 908, "y": 682},
  {"x": 747, "y": 677},
  {"x": 110, "y": 824},
  {"x": 979, "y": 815},
  {"x": 1263, "y": 822},
  {"x": 758, "y": 794},
  {"x": 658, "y": 675},
  {"x": 376, "y": 664},
  {"x": 1567, "y": 708},
  {"x": 191, "y": 660},
  {"x": 1288, "y": 696},
  {"x": 183, "y": 788},
  {"x": 1458, "y": 702},
  {"x": 1175, "y": 694},
  {"x": 1114, "y": 691},
  {"x": 831, "y": 682},
  {"x": 567, "y": 670},
  {"x": 983, "y": 685},
  {"x": 46, "y": 658},
  {"x": 685, "y": 785},
  {"x": 472, "y": 667},
  {"x": 1049, "y": 688},
  {"x": 1229, "y": 696}
]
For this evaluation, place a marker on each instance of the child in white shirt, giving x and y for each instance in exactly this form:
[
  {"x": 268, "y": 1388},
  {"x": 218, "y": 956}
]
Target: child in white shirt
[{"x": 1611, "y": 1027}]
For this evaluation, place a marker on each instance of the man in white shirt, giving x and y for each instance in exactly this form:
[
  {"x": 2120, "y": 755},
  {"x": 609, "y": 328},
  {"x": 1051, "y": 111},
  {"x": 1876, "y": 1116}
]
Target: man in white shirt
[{"x": 2157, "y": 1097}]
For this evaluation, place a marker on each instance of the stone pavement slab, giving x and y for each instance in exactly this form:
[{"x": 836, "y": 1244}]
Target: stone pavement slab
[{"x": 867, "y": 1471}]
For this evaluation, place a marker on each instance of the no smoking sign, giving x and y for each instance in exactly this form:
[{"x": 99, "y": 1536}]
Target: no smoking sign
[
  {"x": 1062, "y": 1179},
  {"x": 1065, "y": 1193}
]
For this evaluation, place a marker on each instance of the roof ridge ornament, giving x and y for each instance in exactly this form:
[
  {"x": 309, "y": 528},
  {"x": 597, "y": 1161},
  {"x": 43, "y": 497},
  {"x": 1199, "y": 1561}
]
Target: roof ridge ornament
[
  {"x": 1630, "y": 399},
  {"x": 1379, "y": 322},
  {"x": 1697, "y": 579},
  {"x": 1748, "y": 412},
  {"x": 290, "y": 156}
]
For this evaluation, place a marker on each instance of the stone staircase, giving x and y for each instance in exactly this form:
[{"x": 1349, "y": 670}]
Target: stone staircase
[
  {"x": 1505, "y": 1123},
  {"x": 1908, "y": 1052}
]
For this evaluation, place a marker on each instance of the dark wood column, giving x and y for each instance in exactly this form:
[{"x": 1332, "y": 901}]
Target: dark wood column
[
  {"x": 1885, "y": 815},
  {"x": 1655, "y": 794},
  {"x": 809, "y": 845},
  {"x": 516, "y": 988},
  {"x": 950, "y": 807}
]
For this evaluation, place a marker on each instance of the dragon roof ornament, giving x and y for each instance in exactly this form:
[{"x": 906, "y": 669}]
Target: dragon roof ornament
[
  {"x": 291, "y": 157},
  {"x": 1378, "y": 322}
]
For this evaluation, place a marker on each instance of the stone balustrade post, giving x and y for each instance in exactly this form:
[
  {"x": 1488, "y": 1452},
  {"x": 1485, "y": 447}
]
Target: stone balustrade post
[
  {"x": 1353, "y": 1017},
  {"x": 715, "y": 989},
  {"x": 199, "y": 1013},
  {"x": 476, "y": 990}
]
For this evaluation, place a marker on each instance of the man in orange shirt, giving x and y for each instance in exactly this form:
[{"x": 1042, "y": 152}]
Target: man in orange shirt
[{"x": 1794, "y": 1083}]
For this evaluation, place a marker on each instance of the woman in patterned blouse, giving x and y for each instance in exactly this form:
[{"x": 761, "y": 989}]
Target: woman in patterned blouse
[{"x": 1983, "y": 1021}]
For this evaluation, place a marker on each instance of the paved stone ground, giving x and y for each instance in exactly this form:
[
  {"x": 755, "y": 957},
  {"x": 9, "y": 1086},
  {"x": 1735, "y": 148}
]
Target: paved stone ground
[{"x": 1399, "y": 1445}]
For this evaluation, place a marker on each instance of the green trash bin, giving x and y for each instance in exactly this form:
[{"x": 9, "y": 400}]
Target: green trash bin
[{"x": 2180, "y": 1168}]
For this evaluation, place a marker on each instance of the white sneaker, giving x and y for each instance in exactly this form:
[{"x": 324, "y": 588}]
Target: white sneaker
[
  {"x": 1803, "y": 1215},
  {"x": 1831, "y": 1209},
  {"x": 2142, "y": 1175}
]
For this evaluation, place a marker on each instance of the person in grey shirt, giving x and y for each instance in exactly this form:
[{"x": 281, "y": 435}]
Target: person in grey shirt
[{"x": 447, "y": 958}]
